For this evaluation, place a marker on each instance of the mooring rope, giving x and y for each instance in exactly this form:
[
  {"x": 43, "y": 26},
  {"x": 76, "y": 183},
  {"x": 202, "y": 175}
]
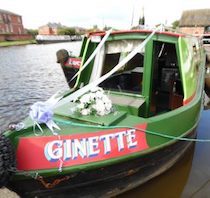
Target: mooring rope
[{"x": 65, "y": 122}]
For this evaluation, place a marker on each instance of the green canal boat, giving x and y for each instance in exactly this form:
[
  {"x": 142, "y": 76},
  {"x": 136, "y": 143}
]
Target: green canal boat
[{"x": 131, "y": 114}]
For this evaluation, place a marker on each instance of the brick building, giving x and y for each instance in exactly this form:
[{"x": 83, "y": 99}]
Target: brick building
[
  {"x": 11, "y": 27},
  {"x": 50, "y": 29},
  {"x": 195, "y": 22},
  {"x": 53, "y": 28},
  {"x": 10, "y": 23}
]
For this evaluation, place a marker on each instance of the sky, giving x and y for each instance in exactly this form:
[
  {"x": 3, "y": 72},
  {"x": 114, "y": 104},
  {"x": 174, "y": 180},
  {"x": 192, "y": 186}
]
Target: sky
[{"x": 87, "y": 13}]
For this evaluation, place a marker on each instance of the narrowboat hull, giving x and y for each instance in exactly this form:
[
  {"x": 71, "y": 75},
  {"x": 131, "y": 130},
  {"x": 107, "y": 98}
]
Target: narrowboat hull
[
  {"x": 77, "y": 144},
  {"x": 70, "y": 66},
  {"x": 51, "y": 41},
  {"x": 107, "y": 181},
  {"x": 47, "y": 39}
]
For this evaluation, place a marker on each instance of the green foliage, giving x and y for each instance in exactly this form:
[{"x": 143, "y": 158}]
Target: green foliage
[
  {"x": 107, "y": 28},
  {"x": 67, "y": 31},
  {"x": 175, "y": 24},
  {"x": 32, "y": 32},
  {"x": 141, "y": 20},
  {"x": 15, "y": 43}
]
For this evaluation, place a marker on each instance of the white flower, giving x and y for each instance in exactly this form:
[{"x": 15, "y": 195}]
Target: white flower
[
  {"x": 85, "y": 111},
  {"x": 99, "y": 105},
  {"x": 85, "y": 98},
  {"x": 81, "y": 106},
  {"x": 108, "y": 106},
  {"x": 105, "y": 99},
  {"x": 95, "y": 101},
  {"x": 92, "y": 97},
  {"x": 99, "y": 94}
]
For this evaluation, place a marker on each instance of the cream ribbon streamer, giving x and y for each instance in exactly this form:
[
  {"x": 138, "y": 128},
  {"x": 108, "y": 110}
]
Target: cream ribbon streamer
[
  {"x": 93, "y": 54},
  {"x": 83, "y": 90}
]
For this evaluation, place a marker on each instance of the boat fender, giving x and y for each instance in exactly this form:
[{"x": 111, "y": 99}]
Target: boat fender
[
  {"x": 62, "y": 56},
  {"x": 7, "y": 160}
]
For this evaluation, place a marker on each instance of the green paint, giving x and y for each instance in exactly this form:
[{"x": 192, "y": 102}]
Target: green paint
[
  {"x": 147, "y": 78},
  {"x": 178, "y": 123},
  {"x": 188, "y": 70}
]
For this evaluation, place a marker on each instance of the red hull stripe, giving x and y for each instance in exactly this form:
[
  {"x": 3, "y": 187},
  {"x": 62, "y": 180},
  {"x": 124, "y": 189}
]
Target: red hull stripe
[
  {"x": 136, "y": 31},
  {"x": 188, "y": 100},
  {"x": 47, "y": 152}
]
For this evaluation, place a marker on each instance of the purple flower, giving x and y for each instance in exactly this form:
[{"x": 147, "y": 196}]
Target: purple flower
[{"x": 41, "y": 112}]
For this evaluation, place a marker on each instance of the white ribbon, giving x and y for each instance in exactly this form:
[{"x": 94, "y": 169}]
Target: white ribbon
[
  {"x": 41, "y": 112},
  {"x": 95, "y": 83},
  {"x": 93, "y": 54}
]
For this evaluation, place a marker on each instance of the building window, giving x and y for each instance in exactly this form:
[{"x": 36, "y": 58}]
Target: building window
[
  {"x": 4, "y": 18},
  {"x": 19, "y": 19},
  {"x": 11, "y": 28},
  {"x": 1, "y": 20},
  {"x": 9, "y": 18},
  {"x": 7, "y": 28},
  {"x": 19, "y": 31},
  {"x": 1, "y": 29}
]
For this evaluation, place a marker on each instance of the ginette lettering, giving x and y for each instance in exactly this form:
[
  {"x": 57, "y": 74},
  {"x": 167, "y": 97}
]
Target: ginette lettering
[{"x": 90, "y": 147}]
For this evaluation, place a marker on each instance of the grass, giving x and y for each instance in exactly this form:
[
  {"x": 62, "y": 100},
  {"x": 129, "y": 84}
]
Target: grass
[{"x": 14, "y": 43}]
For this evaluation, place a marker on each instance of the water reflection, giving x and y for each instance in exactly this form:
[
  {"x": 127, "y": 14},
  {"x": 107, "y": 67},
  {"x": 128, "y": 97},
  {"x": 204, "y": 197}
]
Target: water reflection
[{"x": 199, "y": 180}]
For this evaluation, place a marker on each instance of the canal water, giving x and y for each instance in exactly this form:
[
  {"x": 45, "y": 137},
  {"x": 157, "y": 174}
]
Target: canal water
[{"x": 30, "y": 73}]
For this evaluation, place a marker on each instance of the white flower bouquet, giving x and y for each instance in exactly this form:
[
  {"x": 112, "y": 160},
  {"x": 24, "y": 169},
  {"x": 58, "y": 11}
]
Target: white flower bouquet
[{"x": 94, "y": 102}]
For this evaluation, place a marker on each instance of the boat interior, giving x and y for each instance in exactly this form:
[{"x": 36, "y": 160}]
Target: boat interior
[
  {"x": 129, "y": 88},
  {"x": 167, "y": 90}
]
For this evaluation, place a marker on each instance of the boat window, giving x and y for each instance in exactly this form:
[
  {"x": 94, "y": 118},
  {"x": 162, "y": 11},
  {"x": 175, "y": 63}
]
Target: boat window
[
  {"x": 129, "y": 77},
  {"x": 167, "y": 90}
]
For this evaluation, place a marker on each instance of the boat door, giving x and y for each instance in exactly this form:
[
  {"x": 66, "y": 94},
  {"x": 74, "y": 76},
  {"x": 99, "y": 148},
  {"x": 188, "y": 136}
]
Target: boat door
[{"x": 167, "y": 90}]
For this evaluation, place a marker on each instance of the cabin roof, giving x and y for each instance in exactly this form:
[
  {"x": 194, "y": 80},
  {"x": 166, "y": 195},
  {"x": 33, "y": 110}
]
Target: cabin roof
[
  {"x": 102, "y": 33},
  {"x": 192, "y": 18}
]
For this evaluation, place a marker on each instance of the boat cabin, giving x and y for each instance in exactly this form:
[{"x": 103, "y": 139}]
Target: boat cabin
[{"x": 148, "y": 84}]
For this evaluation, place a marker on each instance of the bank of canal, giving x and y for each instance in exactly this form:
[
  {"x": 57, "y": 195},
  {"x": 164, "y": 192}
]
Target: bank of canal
[{"x": 16, "y": 43}]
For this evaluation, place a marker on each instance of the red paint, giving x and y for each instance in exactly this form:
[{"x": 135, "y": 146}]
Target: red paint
[
  {"x": 188, "y": 100},
  {"x": 30, "y": 151},
  {"x": 73, "y": 62},
  {"x": 136, "y": 31}
]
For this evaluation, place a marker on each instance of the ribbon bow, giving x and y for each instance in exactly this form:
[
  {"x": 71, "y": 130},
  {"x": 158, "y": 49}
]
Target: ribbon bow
[{"x": 41, "y": 112}]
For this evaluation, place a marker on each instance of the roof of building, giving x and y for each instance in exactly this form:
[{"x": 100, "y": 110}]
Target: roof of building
[
  {"x": 8, "y": 12},
  {"x": 192, "y": 18}
]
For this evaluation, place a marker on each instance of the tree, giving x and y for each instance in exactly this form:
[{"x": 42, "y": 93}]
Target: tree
[
  {"x": 175, "y": 24},
  {"x": 141, "y": 20},
  {"x": 66, "y": 31},
  {"x": 32, "y": 32},
  {"x": 107, "y": 28}
]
